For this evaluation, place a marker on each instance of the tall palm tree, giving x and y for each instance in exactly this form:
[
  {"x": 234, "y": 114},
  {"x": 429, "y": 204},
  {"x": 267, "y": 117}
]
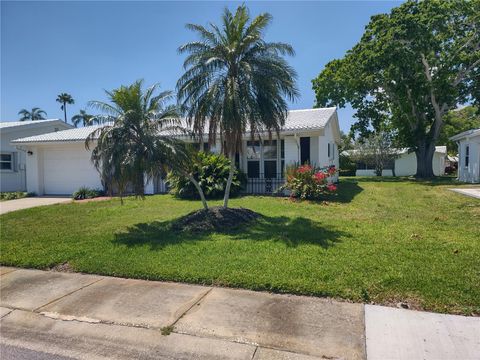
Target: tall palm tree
[
  {"x": 65, "y": 99},
  {"x": 35, "y": 114},
  {"x": 235, "y": 81},
  {"x": 83, "y": 118},
  {"x": 136, "y": 140}
]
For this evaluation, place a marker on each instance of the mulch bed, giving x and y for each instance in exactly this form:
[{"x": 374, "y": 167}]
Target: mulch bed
[{"x": 218, "y": 219}]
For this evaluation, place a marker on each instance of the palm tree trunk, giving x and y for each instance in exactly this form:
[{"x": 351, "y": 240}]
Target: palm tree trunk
[
  {"x": 229, "y": 181},
  {"x": 65, "y": 111},
  {"x": 199, "y": 189}
]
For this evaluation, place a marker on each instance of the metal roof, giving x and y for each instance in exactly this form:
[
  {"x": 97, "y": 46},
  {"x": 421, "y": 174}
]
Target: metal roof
[
  {"x": 22, "y": 124},
  {"x": 465, "y": 134},
  {"x": 76, "y": 134},
  {"x": 297, "y": 120}
]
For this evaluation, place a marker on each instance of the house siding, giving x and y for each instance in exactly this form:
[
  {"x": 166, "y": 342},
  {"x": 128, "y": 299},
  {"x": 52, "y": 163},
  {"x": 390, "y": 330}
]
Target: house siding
[
  {"x": 16, "y": 179},
  {"x": 470, "y": 173}
]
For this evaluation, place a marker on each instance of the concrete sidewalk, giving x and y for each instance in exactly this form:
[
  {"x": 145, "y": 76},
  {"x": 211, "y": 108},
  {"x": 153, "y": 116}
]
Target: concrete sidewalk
[
  {"x": 95, "y": 317},
  {"x": 29, "y": 202},
  {"x": 473, "y": 192}
]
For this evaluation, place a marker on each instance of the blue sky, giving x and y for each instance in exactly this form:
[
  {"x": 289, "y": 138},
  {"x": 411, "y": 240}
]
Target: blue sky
[{"x": 85, "y": 47}]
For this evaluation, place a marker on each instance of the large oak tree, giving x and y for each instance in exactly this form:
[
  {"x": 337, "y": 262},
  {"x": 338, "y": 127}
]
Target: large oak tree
[{"x": 410, "y": 68}]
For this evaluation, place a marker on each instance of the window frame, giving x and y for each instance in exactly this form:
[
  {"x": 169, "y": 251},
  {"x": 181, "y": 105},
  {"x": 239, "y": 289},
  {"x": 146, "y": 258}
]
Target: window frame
[
  {"x": 467, "y": 155},
  {"x": 11, "y": 169},
  {"x": 279, "y": 159}
]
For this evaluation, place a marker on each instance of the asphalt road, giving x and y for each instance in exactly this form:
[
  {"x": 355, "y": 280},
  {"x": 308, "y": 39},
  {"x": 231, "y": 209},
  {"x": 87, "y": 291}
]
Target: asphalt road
[{"x": 8, "y": 352}]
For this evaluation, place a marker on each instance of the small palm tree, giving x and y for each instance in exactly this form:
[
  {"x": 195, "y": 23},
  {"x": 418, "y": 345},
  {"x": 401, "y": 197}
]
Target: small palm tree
[
  {"x": 235, "y": 81},
  {"x": 136, "y": 142},
  {"x": 35, "y": 114},
  {"x": 65, "y": 99},
  {"x": 83, "y": 118}
]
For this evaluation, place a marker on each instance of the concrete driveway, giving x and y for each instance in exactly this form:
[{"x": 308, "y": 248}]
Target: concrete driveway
[{"x": 25, "y": 203}]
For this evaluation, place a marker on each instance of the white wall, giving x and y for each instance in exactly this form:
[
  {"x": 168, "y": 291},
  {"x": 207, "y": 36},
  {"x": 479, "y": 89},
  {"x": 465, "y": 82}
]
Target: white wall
[
  {"x": 292, "y": 150},
  {"x": 15, "y": 180},
  {"x": 470, "y": 173}
]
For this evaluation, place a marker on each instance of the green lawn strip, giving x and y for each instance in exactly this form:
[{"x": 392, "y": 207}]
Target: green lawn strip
[{"x": 381, "y": 242}]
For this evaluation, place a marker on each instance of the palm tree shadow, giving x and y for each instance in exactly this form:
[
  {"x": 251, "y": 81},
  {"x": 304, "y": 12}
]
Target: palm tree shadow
[{"x": 291, "y": 232}]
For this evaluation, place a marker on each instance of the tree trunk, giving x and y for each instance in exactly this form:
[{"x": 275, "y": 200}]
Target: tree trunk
[
  {"x": 65, "y": 111},
  {"x": 424, "y": 153},
  {"x": 229, "y": 181},
  {"x": 199, "y": 189}
]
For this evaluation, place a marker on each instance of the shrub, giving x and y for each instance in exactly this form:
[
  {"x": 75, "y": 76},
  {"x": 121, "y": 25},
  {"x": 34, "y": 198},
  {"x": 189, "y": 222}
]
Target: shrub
[
  {"x": 308, "y": 182},
  {"x": 12, "y": 195},
  {"x": 211, "y": 172},
  {"x": 87, "y": 193},
  {"x": 348, "y": 167}
]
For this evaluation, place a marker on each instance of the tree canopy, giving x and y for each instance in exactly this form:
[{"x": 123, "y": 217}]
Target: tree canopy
[
  {"x": 35, "y": 114},
  {"x": 136, "y": 140},
  {"x": 409, "y": 69},
  {"x": 455, "y": 122},
  {"x": 65, "y": 99}
]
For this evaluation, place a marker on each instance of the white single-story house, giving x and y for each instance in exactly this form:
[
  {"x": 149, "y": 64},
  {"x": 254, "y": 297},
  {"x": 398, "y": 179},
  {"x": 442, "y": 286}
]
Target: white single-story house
[
  {"x": 59, "y": 164},
  {"x": 468, "y": 155},
  {"x": 405, "y": 164},
  {"x": 13, "y": 160}
]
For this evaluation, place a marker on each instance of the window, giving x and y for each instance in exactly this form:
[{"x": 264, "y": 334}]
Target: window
[
  {"x": 253, "y": 169},
  {"x": 6, "y": 161},
  {"x": 253, "y": 159},
  {"x": 467, "y": 155},
  {"x": 304, "y": 150},
  {"x": 253, "y": 150},
  {"x": 328, "y": 150},
  {"x": 270, "y": 158},
  {"x": 270, "y": 149}
]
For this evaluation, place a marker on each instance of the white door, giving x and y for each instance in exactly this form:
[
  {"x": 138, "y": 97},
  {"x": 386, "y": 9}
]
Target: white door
[{"x": 68, "y": 168}]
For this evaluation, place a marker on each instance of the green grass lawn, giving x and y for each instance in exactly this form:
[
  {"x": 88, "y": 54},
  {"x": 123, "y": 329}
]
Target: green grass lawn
[{"x": 381, "y": 242}]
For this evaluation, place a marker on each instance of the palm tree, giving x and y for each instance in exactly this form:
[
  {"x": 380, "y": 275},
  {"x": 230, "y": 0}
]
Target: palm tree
[
  {"x": 235, "y": 81},
  {"x": 35, "y": 114},
  {"x": 135, "y": 143},
  {"x": 83, "y": 118},
  {"x": 65, "y": 99}
]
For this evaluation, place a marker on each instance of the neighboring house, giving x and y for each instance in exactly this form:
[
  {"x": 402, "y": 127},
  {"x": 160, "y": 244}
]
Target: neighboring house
[
  {"x": 468, "y": 155},
  {"x": 405, "y": 164},
  {"x": 13, "y": 160},
  {"x": 58, "y": 163}
]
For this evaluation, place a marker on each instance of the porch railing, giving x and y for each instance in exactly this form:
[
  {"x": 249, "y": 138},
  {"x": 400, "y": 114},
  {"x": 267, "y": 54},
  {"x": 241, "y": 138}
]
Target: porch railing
[
  {"x": 255, "y": 186},
  {"x": 265, "y": 186}
]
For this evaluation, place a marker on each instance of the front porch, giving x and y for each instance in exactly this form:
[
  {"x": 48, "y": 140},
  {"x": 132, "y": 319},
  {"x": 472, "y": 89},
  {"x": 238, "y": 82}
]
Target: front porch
[{"x": 264, "y": 161}]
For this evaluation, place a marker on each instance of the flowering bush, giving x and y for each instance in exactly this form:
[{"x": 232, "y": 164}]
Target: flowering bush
[{"x": 308, "y": 182}]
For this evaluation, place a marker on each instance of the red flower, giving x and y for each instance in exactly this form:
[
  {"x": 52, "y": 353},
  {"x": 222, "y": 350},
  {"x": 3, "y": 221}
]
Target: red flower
[
  {"x": 319, "y": 176},
  {"x": 331, "y": 187},
  {"x": 304, "y": 168},
  {"x": 332, "y": 170}
]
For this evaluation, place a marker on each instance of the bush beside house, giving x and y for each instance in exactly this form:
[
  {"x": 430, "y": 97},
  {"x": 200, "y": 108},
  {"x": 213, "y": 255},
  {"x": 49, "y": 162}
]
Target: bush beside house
[{"x": 211, "y": 171}]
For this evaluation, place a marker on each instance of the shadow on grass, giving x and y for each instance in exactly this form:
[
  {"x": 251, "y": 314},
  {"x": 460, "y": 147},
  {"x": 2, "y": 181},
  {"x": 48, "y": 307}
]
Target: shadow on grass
[{"x": 291, "y": 232}]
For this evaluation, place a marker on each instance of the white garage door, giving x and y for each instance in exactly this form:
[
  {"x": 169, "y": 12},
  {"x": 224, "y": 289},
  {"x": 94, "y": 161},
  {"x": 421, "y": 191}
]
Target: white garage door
[{"x": 68, "y": 168}]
